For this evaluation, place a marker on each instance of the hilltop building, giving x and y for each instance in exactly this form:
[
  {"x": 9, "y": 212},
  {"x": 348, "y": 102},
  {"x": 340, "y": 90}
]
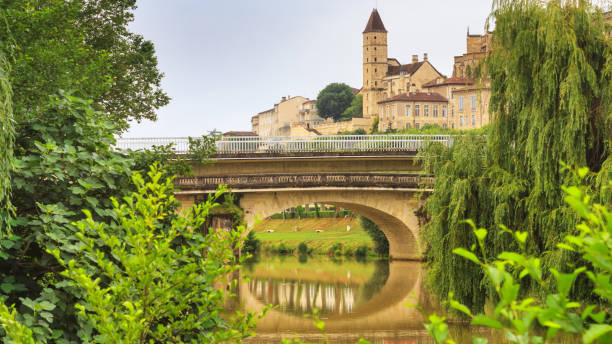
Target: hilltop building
[
  {"x": 416, "y": 94},
  {"x": 402, "y": 96}
]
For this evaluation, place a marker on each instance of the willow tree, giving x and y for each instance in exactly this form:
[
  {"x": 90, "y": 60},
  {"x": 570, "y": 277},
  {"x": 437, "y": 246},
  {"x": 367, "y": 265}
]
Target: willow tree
[
  {"x": 549, "y": 70},
  {"x": 6, "y": 145}
]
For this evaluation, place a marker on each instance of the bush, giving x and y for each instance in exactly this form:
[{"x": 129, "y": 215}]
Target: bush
[
  {"x": 155, "y": 284},
  {"x": 283, "y": 249},
  {"x": 252, "y": 245},
  {"x": 347, "y": 252},
  {"x": 302, "y": 248}
]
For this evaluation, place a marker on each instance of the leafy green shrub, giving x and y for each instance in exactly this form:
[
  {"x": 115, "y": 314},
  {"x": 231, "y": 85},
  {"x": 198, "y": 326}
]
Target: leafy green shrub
[
  {"x": 302, "y": 248},
  {"x": 347, "y": 252},
  {"x": 158, "y": 271},
  {"x": 252, "y": 245},
  {"x": 284, "y": 249}
]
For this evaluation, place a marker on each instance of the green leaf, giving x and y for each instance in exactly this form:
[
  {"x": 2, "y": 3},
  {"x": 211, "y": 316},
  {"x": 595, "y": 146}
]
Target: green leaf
[
  {"x": 595, "y": 331},
  {"x": 483, "y": 320},
  {"x": 467, "y": 255}
]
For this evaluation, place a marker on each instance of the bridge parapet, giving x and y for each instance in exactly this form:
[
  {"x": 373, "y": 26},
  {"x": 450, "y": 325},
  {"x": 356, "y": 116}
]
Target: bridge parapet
[
  {"x": 308, "y": 180},
  {"x": 233, "y": 145}
]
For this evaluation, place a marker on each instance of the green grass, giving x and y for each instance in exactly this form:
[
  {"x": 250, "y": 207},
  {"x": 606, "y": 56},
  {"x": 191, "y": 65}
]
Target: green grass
[{"x": 292, "y": 232}]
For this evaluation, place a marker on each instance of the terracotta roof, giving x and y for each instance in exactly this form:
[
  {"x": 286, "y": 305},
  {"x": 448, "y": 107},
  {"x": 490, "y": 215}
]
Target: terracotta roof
[
  {"x": 418, "y": 97},
  {"x": 355, "y": 90},
  {"x": 407, "y": 68},
  {"x": 449, "y": 81},
  {"x": 239, "y": 133},
  {"x": 473, "y": 88},
  {"x": 375, "y": 24}
]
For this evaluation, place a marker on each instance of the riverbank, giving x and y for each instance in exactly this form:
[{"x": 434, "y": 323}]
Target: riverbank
[{"x": 319, "y": 234}]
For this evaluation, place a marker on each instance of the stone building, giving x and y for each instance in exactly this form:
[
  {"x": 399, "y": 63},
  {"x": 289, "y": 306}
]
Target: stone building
[
  {"x": 416, "y": 94},
  {"x": 279, "y": 120}
]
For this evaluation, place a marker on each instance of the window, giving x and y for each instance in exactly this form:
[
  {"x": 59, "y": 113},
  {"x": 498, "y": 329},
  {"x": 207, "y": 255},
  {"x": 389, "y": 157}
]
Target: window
[
  {"x": 374, "y": 48},
  {"x": 461, "y": 121},
  {"x": 375, "y": 70},
  {"x": 473, "y": 101},
  {"x": 435, "y": 110},
  {"x": 374, "y": 37},
  {"x": 367, "y": 70},
  {"x": 407, "y": 87},
  {"x": 453, "y": 112},
  {"x": 473, "y": 119},
  {"x": 375, "y": 83},
  {"x": 375, "y": 59},
  {"x": 417, "y": 125},
  {"x": 460, "y": 103},
  {"x": 381, "y": 110},
  {"x": 407, "y": 110},
  {"x": 387, "y": 111},
  {"x": 416, "y": 111},
  {"x": 407, "y": 125},
  {"x": 426, "y": 110},
  {"x": 453, "y": 125},
  {"x": 444, "y": 111},
  {"x": 453, "y": 93}
]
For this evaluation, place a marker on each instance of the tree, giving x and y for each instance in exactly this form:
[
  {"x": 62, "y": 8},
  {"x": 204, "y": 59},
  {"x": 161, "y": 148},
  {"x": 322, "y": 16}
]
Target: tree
[
  {"x": 549, "y": 70},
  {"x": 355, "y": 110},
  {"x": 83, "y": 46},
  {"x": 381, "y": 243},
  {"x": 333, "y": 100}
]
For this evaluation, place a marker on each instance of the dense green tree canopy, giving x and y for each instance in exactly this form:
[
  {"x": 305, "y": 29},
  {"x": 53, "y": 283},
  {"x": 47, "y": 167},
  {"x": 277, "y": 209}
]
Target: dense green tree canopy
[
  {"x": 82, "y": 46},
  {"x": 549, "y": 70},
  {"x": 333, "y": 100},
  {"x": 354, "y": 110}
]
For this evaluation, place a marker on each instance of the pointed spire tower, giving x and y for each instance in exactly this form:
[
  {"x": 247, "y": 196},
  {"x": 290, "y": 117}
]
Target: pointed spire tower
[{"x": 374, "y": 63}]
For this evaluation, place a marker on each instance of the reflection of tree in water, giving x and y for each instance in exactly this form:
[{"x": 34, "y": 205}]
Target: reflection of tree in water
[
  {"x": 377, "y": 281},
  {"x": 301, "y": 297}
]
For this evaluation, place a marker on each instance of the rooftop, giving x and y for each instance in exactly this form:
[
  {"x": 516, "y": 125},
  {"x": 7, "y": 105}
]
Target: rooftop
[{"x": 375, "y": 24}]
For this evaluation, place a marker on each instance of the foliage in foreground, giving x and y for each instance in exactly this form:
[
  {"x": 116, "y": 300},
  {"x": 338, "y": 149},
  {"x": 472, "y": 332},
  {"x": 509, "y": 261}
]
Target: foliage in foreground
[
  {"x": 550, "y": 72},
  {"x": 526, "y": 320},
  {"x": 161, "y": 278}
]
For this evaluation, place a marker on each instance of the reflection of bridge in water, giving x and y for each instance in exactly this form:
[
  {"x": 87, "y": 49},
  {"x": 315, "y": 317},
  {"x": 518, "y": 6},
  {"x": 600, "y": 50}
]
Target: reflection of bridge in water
[
  {"x": 385, "y": 311},
  {"x": 300, "y": 297}
]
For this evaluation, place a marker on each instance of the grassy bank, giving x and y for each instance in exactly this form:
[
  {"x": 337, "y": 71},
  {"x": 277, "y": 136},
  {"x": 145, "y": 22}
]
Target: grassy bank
[{"x": 292, "y": 232}]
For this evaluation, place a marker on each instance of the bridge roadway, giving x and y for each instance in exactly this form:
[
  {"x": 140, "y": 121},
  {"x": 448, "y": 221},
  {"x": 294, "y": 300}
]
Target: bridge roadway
[{"x": 374, "y": 175}]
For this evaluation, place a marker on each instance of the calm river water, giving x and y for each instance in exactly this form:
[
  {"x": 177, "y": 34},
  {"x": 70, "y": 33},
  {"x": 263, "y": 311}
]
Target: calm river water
[{"x": 355, "y": 299}]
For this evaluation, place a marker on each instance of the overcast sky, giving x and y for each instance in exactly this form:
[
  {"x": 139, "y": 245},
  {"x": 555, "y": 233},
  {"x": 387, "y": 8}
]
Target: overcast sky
[{"x": 226, "y": 60}]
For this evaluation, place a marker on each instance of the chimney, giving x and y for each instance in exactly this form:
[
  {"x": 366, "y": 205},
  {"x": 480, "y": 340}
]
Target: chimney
[
  {"x": 415, "y": 58},
  {"x": 283, "y": 99},
  {"x": 425, "y": 57}
]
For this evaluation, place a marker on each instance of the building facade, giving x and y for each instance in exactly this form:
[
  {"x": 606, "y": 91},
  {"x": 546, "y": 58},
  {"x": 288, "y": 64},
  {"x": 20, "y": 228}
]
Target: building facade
[{"x": 416, "y": 94}]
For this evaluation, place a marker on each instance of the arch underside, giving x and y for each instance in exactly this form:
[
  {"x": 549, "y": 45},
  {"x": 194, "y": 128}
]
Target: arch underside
[{"x": 392, "y": 211}]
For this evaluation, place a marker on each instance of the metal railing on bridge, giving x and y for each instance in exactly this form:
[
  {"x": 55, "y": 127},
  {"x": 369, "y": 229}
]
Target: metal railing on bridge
[{"x": 297, "y": 144}]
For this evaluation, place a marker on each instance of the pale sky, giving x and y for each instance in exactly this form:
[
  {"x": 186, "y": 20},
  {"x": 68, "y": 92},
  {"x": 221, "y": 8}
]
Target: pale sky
[{"x": 226, "y": 60}]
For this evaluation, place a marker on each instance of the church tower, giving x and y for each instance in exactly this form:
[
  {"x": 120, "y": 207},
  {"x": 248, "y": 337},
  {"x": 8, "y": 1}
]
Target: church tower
[{"x": 374, "y": 64}]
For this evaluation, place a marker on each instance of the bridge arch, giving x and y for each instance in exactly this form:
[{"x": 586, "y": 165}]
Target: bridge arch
[{"x": 393, "y": 211}]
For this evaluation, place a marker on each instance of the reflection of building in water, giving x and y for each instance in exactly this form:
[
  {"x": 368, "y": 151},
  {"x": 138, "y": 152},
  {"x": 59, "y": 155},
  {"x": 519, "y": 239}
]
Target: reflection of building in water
[{"x": 302, "y": 297}]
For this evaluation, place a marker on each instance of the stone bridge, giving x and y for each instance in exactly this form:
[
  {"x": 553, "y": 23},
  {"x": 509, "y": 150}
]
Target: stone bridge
[{"x": 373, "y": 175}]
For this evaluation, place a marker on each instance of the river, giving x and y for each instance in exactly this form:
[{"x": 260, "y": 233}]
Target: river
[{"x": 355, "y": 299}]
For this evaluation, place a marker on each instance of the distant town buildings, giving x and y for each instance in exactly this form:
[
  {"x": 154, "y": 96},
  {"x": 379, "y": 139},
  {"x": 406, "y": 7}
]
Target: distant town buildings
[{"x": 401, "y": 96}]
